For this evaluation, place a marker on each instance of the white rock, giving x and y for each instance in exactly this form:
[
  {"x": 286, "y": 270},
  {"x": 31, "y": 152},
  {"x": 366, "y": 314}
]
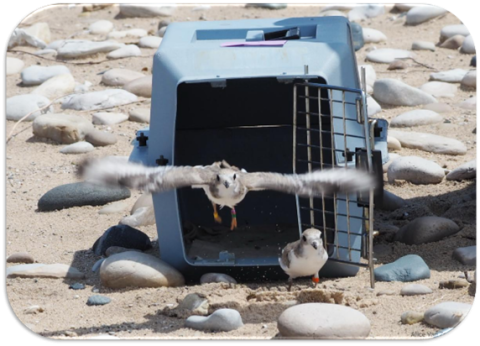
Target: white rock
[
  {"x": 81, "y": 88},
  {"x": 220, "y": 320},
  {"x": 150, "y": 42},
  {"x": 71, "y": 49},
  {"x": 107, "y": 118},
  {"x": 125, "y": 52},
  {"x": 450, "y": 76},
  {"x": 428, "y": 142},
  {"x": 470, "y": 103},
  {"x": 415, "y": 290},
  {"x": 117, "y": 34},
  {"x": 423, "y": 45},
  {"x": 393, "y": 143},
  {"x": 468, "y": 46},
  {"x": 360, "y": 13},
  {"x": 439, "y": 89},
  {"x": 101, "y": 27},
  {"x": 98, "y": 99},
  {"x": 391, "y": 157},
  {"x": 62, "y": 128},
  {"x": 345, "y": 7},
  {"x": 120, "y": 76},
  {"x": 373, "y": 36},
  {"x": 453, "y": 30},
  {"x": 416, "y": 117},
  {"x": 57, "y": 86},
  {"x": 397, "y": 93},
  {"x": 323, "y": 321},
  {"x": 128, "y": 11},
  {"x": 332, "y": 13},
  {"x": 421, "y": 14},
  {"x": 128, "y": 33},
  {"x": 466, "y": 171},
  {"x": 446, "y": 314},
  {"x": 388, "y": 55},
  {"x": 39, "y": 30},
  {"x": 20, "y": 105},
  {"x": 142, "y": 213},
  {"x": 77, "y": 148},
  {"x": 35, "y": 75},
  {"x": 470, "y": 79},
  {"x": 438, "y": 107},
  {"x": 139, "y": 115},
  {"x": 14, "y": 65},
  {"x": 113, "y": 208},
  {"x": 47, "y": 52},
  {"x": 39, "y": 270},
  {"x": 416, "y": 170},
  {"x": 22, "y": 38},
  {"x": 372, "y": 106}
]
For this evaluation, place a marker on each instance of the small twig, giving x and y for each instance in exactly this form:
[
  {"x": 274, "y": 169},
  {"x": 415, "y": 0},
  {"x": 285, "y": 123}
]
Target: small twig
[{"x": 418, "y": 62}]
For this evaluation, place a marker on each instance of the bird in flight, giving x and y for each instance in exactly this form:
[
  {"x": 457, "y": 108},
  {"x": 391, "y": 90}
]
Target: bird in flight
[{"x": 224, "y": 185}]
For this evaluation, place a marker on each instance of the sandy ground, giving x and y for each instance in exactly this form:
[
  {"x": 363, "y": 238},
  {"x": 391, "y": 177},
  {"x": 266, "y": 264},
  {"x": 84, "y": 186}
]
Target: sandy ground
[{"x": 66, "y": 236}]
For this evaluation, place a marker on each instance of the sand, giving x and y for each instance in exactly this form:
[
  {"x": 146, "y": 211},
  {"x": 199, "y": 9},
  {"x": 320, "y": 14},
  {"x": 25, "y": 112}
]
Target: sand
[{"x": 34, "y": 166}]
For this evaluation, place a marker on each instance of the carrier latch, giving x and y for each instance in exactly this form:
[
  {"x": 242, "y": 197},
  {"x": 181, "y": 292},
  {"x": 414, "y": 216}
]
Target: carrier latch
[{"x": 288, "y": 34}]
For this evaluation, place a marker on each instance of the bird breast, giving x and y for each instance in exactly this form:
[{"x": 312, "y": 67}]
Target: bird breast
[
  {"x": 221, "y": 195},
  {"x": 309, "y": 263}
]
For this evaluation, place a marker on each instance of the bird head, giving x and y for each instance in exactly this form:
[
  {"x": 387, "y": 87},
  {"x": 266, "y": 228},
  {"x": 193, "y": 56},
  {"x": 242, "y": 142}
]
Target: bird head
[
  {"x": 227, "y": 179},
  {"x": 312, "y": 237}
]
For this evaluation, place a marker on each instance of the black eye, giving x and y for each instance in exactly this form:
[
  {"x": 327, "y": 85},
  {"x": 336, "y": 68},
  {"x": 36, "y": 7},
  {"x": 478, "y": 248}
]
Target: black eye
[
  {"x": 304, "y": 238},
  {"x": 218, "y": 177},
  {"x": 234, "y": 176}
]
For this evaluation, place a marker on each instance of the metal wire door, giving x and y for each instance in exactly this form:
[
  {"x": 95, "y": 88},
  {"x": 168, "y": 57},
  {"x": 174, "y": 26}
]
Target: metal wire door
[{"x": 330, "y": 129}]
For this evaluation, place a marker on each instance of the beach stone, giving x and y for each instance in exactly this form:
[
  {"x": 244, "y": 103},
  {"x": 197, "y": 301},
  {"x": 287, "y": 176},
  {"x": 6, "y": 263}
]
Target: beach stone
[
  {"x": 357, "y": 35},
  {"x": 112, "y": 250},
  {"x": 20, "y": 37},
  {"x": 216, "y": 277},
  {"x": 416, "y": 117},
  {"x": 14, "y": 65},
  {"x": 62, "y": 128},
  {"x": 140, "y": 87},
  {"x": 426, "y": 229},
  {"x": 428, "y": 142},
  {"x": 470, "y": 79},
  {"x": 372, "y": 106},
  {"x": 48, "y": 53},
  {"x": 466, "y": 171},
  {"x": 438, "y": 107},
  {"x": 136, "y": 269},
  {"x": 388, "y": 55},
  {"x": 416, "y": 170},
  {"x": 453, "y": 42},
  {"x": 391, "y": 157},
  {"x": 77, "y": 286},
  {"x": 125, "y": 52},
  {"x": 142, "y": 213},
  {"x": 332, "y": 13},
  {"x": 405, "y": 269},
  {"x": 343, "y": 7},
  {"x": 97, "y": 264},
  {"x": 364, "y": 12},
  {"x": 403, "y": 7},
  {"x": 323, "y": 321},
  {"x": 453, "y": 30},
  {"x": 473, "y": 62},
  {"x": 98, "y": 99},
  {"x": 100, "y": 27},
  {"x": 424, "y": 13},
  {"x": 161, "y": 32},
  {"x": 267, "y": 6},
  {"x": 20, "y": 257},
  {"x": 80, "y": 194},
  {"x": 35, "y": 74},
  {"x": 72, "y": 49},
  {"x": 136, "y": 33},
  {"x": 470, "y": 103},
  {"x": 120, "y": 76},
  {"x": 415, "y": 290},
  {"x": 98, "y": 300},
  {"x": 468, "y": 46},
  {"x": 100, "y": 138},
  {"x": 77, "y": 148},
  {"x": 439, "y": 89},
  {"x": 370, "y": 74},
  {"x": 390, "y": 202},
  {"x": 397, "y": 65},
  {"x": 393, "y": 143},
  {"x": 130, "y": 11},
  {"x": 193, "y": 304},
  {"x": 113, "y": 208},
  {"x": 139, "y": 115},
  {"x": 411, "y": 317},
  {"x": 39, "y": 270},
  {"x": 124, "y": 236},
  {"x": 373, "y": 36},
  {"x": 39, "y": 30},
  {"x": 150, "y": 42},
  {"x": 20, "y": 105},
  {"x": 446, "y": 314},
  {"x": 397, "y": 93},
  {"x": 466, "y": 255},
  {"x": 453, "y": 284},
  {"x": 423, "y": 45},
  {"x": 450, "y": 76},
  {"x": 221, "y": 320},
  {"x": 108, "y": 118},
  {"x": 55, "y": 87}
]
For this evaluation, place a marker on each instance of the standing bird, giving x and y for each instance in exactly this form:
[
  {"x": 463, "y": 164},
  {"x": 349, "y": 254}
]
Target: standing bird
[
  {"x": 304, "y": 257},
  {"x": 223, "y": 184}
]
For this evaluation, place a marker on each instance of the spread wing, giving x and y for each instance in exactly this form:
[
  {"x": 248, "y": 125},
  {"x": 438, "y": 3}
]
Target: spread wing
[
  {"x": 310, "y": 184},
  {"x": 116, "y": 171}
]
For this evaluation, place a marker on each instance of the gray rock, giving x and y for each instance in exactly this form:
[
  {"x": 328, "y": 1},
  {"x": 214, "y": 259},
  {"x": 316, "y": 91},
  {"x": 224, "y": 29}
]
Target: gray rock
[
  {"x": 14, "y": 66},
  {"x": 424, "y": 13},
  {"x": 268, "y": 6},
  {"x": 470, "y": 79},
  {"x": 57, "y": 86},
  {"x": 416, "y": 170},
  {"x": 390, "y": 202},
  {"x": 426, "y": 229},
  {"x": 113, "y": 250},
  {"x": 468, "y": 46},
  {"x": 77, "y": 148},
  {"x": 373, "y": 106},
  {"x": 124, "y": 236},
  {"x": 98, "y": 300},
  {"x": 136, "y": 269},
  {"x": 80, "y": 194},
  {"x": 20, "y": 105},
  {"x": 125, "y": 52},
  {"x": 100, "y": 27},
  {"x": 415, "y": 290},
  {"x": 20, "y": 257},
  {"x": 77, "y": 286},
  {"x": 403, "y": 7},
  {"x": 406, "y": 268},
  {"x": 35, "y": 74},
  {"x": 62, "y": 128},
  {"x": 150, "y": 42},
  {"x": 470, "y": 103},
  {"x": 97, "y": 264},
  {"x": 428, "y": 142},
  {"x": 108, "y": 118},
  {"x": 438, "y": 107},
  {"x": 450, "y": 76},
  {"x": 140, "y": 87},
  {"x": 364, "y": 12},
  {"x": 120, "y": 76},
  {"x": 161, "y": 31},
  {"x": 221, "y": 320},
  {"x": 98, "y": 99},
  {"x": 453, "y": 30},
  {"x": 332, "y": 13},
  {"x": 373, "y": 36},
  {"x": 411, "y": 317},
  {"x": 323, "y": 321},
  {"x": 417, "y": 117},
  {"x": 100, "y": 138},
  {"x": 446, "y": 314},
  {"x": 466, "y": 255},
  {"x": 397, "y": 93},
  {"x": 39, "y": 270},
  {"x": 139, "y": 115},
  {"x": 129, "y": 11},
  {"x": 388, "y": 55},
  {"x": 72, "y": 49},
  {"x": 20, "y": 37},
  {"x": 423, "y": 45},
  {"x": 453, "y": 42},
  {"x": 439, "y": 89},
  {"x": 466, "y": 171},
  {"x": 217, "y": 277}
]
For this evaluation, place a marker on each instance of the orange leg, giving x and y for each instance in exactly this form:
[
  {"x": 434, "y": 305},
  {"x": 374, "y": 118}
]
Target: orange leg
[
  {"x": 217, "y": 217},
  {"x": 316, "y": 279},
  {"x": 234, "y": 223}
]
